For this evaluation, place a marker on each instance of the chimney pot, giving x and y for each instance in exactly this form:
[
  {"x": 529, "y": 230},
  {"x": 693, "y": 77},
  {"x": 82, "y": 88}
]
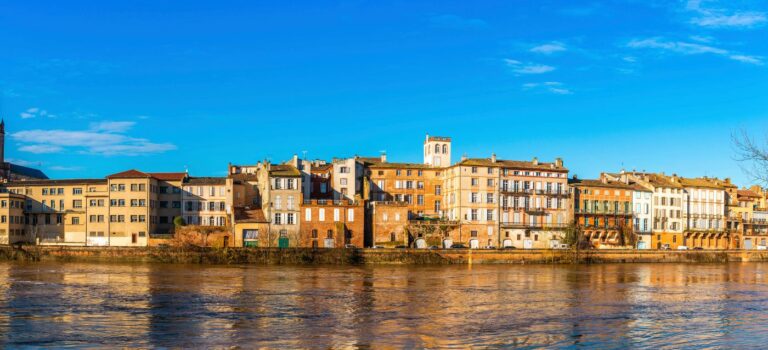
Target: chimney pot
[
  {"x": 493, "y": 157},
  {"x": 535, "y": 161}
]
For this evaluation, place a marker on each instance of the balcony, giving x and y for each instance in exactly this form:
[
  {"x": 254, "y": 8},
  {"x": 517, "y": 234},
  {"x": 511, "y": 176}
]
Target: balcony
[
  {"x": 331, "y": 202},
  {"x": 516, "y": 191},
  {"x": 535, "y": 210},
  {"x": 603, "y": 212},
  {"x": 532, "y": 225},
  {"x": 554, "y": 193}
]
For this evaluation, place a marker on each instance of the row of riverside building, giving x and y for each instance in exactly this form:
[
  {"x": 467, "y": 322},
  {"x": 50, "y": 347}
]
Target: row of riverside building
[{"x": 368, "y": 201}]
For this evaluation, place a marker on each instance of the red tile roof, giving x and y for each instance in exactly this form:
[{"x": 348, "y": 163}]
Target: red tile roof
[
  {"x": 169, "y": 176},
  {"x": 249, "y": 215},
  {"x": 129, "y": 174},
  {"x": 136, "y": 174}
]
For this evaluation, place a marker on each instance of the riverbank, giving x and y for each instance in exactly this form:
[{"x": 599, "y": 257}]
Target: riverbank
[{"x": 301, "y": 256}]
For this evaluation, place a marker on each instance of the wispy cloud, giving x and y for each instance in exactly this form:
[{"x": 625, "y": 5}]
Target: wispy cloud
[
  {"x": 688, "y": 48},
  {"x": 549, "y": 48},
  {"x": 457, "y": 22},
  {"x": 554, "y": 87},
  {"x": 112, "y": 127},
  {"x": 722, "y": 17},
  {"x": 34, "y": 112},
  {"x": 104, "y": 138},
  {"x": 65, "y": 168},
  {"x": 528, "y": 68}
]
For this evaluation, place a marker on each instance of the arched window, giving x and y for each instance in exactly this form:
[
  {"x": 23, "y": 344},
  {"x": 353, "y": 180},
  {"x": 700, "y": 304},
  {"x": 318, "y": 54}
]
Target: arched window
[
  {"x": 437, "y": 148},
  {"x": 445, "y": 149}
]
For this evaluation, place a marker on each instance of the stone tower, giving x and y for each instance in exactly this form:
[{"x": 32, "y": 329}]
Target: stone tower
[{"x": 437, "y": 151}]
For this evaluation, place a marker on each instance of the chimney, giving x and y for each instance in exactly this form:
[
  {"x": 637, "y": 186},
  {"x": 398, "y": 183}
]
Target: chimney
[
  {"x": 559, "y": 162},
  {"x": 493, "y": 157},
  {"x": 463, "y": 157},
  {"x": 535, "y": 161},
  {"x": 383, "y": 157}
]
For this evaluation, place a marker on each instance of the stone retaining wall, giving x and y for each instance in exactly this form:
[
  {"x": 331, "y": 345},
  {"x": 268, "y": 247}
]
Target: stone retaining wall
[{"x": 306, "y": 256}]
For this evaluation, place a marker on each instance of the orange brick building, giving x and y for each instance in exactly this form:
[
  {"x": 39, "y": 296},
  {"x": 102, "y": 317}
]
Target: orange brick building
[
  {"x": 331, "y": 223},
  {"x": 603, "y": 209}
]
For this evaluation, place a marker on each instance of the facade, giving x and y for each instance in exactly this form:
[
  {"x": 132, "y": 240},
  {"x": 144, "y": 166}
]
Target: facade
[
  {"x": 667, "y": 206},
  {"x": 205, "y": 202},
  {"x": 121, "y": 210},
  {"x": 347, "y": 179},
  {"x": 389, "y": 224},
  {"x": 704, "y": 212},
  {"x": 437, "y": 151},
  {"x": 642, "y": 202},
  {"x": 604, "y": 210},
  {"x": 332, "y": 223},
  {"x": 752, "y": 219}
]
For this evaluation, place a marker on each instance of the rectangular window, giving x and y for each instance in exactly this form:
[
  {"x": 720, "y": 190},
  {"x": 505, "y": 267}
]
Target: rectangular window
[{"x": 290, "y": 219}]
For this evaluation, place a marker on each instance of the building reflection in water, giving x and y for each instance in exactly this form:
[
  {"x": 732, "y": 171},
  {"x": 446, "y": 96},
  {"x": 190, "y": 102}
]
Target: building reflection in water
[{"x": 191, "y": 306}]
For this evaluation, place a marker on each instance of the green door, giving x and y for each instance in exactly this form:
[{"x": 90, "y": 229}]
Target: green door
[{"x": 282, "y": 242}]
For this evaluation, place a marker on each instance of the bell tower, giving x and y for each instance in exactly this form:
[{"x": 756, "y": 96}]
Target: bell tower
[{"x": 437, "y": 151}]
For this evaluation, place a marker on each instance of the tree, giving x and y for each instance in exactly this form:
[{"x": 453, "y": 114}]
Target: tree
[
  {"x": 626, "y": 236},
  {"x": 574, "y": 237},
  {"x": 179, "y": 221},
  {"x": 752, "y": 155}
]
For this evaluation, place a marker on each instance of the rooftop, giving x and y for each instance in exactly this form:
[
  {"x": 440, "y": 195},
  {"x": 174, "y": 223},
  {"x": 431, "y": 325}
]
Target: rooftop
[
  {"x": 247, "y": 215},
  {"x": 517, "y": 164},
  {"x": 284, "y": 170},
  {"x": 599, "y": 183},
  {"x": 206, "y": 181}
]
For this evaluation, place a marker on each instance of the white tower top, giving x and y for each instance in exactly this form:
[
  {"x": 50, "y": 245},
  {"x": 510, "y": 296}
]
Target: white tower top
[{"x": 437, "y": 151}]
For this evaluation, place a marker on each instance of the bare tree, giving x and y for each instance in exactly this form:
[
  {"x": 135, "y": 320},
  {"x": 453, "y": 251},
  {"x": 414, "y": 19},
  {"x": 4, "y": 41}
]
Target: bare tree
[{"x": 752, "y": 155}]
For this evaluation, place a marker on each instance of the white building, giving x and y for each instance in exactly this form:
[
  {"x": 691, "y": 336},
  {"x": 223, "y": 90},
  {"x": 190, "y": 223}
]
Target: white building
[
  {"x": 204, "y": 201},
  {"x": 437, "y": 151},
  {"x": 642, "y": 203}
]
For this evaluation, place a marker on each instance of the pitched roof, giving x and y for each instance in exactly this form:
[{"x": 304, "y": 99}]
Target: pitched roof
[
  {"x": 55, "y": 182},
  {"x": 284, "y": 170},
  {"x": 136, "y": 174},
  {"x": 519, "y": 164},
  {"x": 206, "y": 181},
  {"x": 247, "y": 215},
  {"x": 659, "y": 180},
  {"x": 401, "y": 166},
  {"x": 747, "y": 193},
  {"x": 598, "y": 183},
  {"x": 169, "y": 176},
  {"x": 702, "y": 182},
  {"x": 129, "y": 174}
]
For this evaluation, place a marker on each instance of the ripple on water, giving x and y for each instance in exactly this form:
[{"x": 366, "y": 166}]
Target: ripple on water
[{"x": 604, "y": 306}]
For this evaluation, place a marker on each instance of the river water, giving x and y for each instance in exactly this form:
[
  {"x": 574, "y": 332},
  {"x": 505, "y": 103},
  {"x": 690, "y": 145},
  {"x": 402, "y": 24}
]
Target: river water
[{"x": 189, "y": 306}]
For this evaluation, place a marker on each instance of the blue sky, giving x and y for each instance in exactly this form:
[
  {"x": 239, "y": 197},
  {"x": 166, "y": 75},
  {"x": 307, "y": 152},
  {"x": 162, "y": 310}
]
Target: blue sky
[{"x": 92, "y": 88}]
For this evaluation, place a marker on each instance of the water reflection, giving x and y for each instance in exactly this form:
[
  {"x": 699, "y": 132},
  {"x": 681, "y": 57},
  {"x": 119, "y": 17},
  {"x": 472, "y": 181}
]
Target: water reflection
[{"x": 607, "y": 306}]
